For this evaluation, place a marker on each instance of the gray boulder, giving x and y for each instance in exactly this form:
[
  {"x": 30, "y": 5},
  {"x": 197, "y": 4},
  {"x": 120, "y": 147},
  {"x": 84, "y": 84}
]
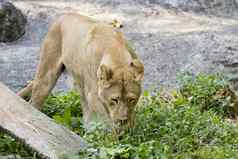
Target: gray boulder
[{"x": 12, "y": 22}]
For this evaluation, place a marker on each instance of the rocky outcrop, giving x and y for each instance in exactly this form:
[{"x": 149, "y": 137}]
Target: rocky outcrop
[
  {"x": 168, "y": 42},
  {"x": 217, "y": 7},
  {"x": 12, "y": 22}
]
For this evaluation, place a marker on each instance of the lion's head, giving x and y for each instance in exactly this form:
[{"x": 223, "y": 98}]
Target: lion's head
[{"x": 119, "y": 90}]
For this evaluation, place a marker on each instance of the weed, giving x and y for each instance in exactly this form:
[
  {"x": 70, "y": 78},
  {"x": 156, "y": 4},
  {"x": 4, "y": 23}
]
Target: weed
[{"x": 181, "y": 124}]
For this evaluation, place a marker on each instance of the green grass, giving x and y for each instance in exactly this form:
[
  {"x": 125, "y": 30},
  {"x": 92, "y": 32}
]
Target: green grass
[{"x": 188, "y": 123}]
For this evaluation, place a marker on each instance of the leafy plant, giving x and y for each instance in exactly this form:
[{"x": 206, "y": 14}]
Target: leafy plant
[
  {"x": 187, "y": 123},
  {"x": 8, "y": 146}
]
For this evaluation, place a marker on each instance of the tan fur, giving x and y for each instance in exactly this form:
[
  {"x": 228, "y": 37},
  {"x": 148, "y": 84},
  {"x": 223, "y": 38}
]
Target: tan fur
[{"x": 102, "y": 65}]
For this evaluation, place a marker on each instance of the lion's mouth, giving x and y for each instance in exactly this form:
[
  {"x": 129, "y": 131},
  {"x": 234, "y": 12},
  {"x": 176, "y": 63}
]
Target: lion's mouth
[{"x": 121, "y": 127}]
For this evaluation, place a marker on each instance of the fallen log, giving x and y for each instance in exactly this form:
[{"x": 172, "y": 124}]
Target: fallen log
[{"x": 37, "y": 131}]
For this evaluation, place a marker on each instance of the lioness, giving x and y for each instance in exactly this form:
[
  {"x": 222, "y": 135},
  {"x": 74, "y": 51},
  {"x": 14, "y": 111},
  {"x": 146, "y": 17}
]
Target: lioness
[{"x": 104, "y": 69}]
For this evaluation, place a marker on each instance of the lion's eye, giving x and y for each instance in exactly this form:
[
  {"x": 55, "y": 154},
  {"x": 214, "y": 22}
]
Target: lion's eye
[
  {"x": 115, "y": 100},
  {"x": 131, "y": 100}
]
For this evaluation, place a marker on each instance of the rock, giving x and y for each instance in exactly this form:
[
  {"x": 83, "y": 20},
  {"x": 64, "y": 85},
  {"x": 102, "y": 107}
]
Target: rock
[
  {"x": 168, "y": 43},
  {"x": 12, "y": 22},
  {"x": 217, "y": 7}
]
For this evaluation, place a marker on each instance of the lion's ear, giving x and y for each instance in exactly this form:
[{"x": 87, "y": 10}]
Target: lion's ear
[
  {"x": 104, "y": 73},
  {"x": 138, "y": 67}
]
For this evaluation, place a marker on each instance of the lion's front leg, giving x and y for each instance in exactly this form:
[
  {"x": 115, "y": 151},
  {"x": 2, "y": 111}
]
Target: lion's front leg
[
  {"x": 50, "y": 66},
  {"x": 42, "y": 85},
  {"x": 94, "y": 112},
  {"x": 83, "y": 100}
]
